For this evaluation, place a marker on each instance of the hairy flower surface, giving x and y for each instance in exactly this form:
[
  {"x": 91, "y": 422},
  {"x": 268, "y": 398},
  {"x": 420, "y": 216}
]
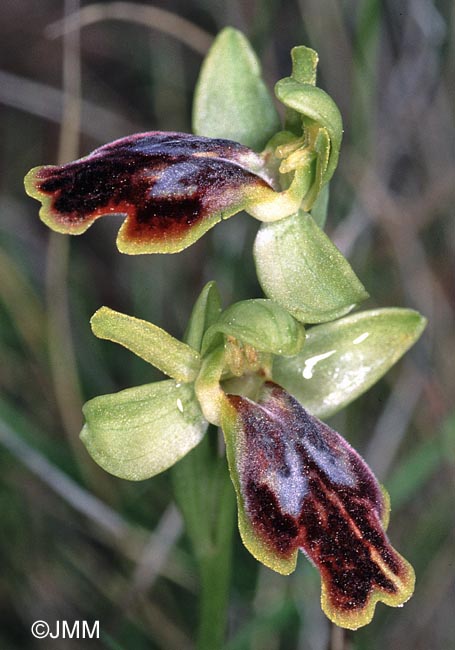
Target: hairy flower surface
[
  {"x": 300, "y": 485},
  {"x": 172, "y": 187}
]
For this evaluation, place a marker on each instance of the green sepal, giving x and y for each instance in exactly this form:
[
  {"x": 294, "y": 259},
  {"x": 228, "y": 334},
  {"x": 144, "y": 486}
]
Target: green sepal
[
  {"x": 260, "y": 323},
  {"x": 151, "y": 343},
  {"x": 231, "y": 100},
  {"x": 206, "y": 311},
  {"x": 141, "y": 431},
  {"x": 341, "y": 360},
  {"x": 301, "y": 269}
]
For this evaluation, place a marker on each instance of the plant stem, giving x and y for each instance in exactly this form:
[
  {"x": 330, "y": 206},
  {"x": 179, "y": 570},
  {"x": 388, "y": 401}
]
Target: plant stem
[
  {"x": 215, "y": 568},
  {"x": 205, "y": 495}
]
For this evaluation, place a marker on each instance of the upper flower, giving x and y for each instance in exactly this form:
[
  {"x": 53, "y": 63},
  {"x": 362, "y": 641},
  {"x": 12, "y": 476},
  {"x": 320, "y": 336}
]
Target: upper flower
[{"x": 173, "y": 187}]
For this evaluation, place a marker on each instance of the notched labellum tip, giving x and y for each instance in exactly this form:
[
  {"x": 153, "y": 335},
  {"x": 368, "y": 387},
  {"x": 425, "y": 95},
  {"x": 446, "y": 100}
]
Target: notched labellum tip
[{"x": 302, "y": 486}]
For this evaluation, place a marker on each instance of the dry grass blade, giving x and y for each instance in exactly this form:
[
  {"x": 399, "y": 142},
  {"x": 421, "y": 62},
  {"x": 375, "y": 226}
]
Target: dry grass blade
[
  {"x": 44, "y": 101},
  {"x": 81, "y": 500},
  {"x": 394, "y": 420},
  {"x": 156, "y": 552},
  {"x": 153, "y": 17}
]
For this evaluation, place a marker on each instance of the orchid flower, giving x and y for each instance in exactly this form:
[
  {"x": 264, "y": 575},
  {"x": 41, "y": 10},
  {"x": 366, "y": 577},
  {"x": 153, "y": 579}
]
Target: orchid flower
[
  {"x": 173, "y": 187},
  {"x": 299, "y": 484}
]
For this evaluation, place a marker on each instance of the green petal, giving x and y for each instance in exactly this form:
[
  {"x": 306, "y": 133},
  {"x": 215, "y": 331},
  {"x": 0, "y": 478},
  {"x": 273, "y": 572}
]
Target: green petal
[
  {"x": 299, "y": 267},
  {"x": 316, "y": 107},
  {"x": 341, "y": 360},
  {"x": 207, "y": 386},
  {"x": 260, "y": 323},
  {"x": 231, "y": 100},
  {"x": 206, "y": 311},
  {"x": 141, "y": 431},
  {"x": 151, "y": 343},
  {"x": 320, "y": 206}
]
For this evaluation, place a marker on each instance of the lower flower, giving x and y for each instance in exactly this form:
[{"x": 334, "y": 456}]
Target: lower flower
[{"x": 300, "y": 485}]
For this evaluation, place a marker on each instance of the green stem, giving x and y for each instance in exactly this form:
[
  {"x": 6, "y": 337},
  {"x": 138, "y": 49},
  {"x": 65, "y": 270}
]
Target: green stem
[
  {"x": 215, "y": 569},
  {"x": 205, "y": 495}
]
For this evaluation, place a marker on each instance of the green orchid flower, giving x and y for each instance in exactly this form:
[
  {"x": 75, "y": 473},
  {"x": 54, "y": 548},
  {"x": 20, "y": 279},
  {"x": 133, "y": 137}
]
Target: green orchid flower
[{"x": 299, "y": 484}]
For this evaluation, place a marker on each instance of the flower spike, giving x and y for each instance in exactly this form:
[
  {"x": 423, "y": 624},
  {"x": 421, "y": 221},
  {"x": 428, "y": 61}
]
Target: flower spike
[
  {"x": 300, "y": 485},
  {"x": 172, "y": 187}
]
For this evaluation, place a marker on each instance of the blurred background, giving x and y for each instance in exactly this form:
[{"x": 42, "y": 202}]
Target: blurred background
[{"x": 77, "y": 543}]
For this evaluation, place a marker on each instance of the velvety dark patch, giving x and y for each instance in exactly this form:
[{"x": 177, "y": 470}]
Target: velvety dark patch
[
  {"x": 164, "y": 182},
  {"x": 305, "y": 487},
  {"x": 268, "y": 518}
]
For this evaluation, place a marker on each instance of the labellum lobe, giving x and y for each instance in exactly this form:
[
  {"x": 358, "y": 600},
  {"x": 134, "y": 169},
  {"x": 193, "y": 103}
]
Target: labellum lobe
[
  {"x": 300, "y": 485},
  {"x": 172, "y": 187}
]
